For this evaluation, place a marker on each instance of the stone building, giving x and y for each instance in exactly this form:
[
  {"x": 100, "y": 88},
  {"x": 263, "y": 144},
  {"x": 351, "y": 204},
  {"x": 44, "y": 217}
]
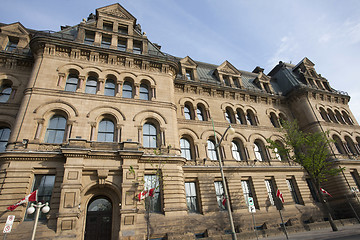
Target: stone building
[{"x": 93, "y": 114}]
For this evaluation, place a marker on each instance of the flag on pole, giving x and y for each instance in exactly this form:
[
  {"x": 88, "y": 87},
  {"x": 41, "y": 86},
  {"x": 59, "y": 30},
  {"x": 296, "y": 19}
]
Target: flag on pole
[
  {"x": 223, "y": 200},
  {"x": 145, "y": 193},
  {"x": 279, "y": 195},
  {"x": 324, "y": 191},
  {"x": 32, "y": 197}
]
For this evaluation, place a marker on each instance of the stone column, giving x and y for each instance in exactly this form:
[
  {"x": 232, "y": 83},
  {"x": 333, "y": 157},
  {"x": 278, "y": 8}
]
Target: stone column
[
  {"x": 70, "y": 196},
  {"x": 80, "y": 87},
  {"x": 136, "y": 90},
  {"x": 119, "y": 87},
  {"x": 101, "y": 87},
  {"x": 40, "y": 124},
  {"x": 60, "y": 80}
]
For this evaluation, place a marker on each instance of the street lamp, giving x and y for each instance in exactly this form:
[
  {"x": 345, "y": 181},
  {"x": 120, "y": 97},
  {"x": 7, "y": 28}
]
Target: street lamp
[
  {"x": 217, "y": 150},
  {"x": 45, "y": 209}
]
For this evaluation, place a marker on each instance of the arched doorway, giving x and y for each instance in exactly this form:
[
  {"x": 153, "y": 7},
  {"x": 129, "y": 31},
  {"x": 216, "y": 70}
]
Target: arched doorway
[{"x": 99, "y": 219}]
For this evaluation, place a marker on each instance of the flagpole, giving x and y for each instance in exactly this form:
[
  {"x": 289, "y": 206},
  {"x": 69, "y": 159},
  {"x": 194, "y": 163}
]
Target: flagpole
[
  {"x": 283, "y": 224},
  {"x": 218, "y": 155}
]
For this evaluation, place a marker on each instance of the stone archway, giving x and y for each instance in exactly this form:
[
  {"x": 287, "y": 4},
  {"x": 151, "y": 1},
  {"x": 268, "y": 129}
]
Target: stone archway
[{"x": 99, "y": 219}]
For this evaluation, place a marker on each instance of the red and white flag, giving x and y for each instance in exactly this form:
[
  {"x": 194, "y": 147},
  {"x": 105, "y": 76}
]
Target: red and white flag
[
  {"x": 279, "y": 195},
  {"x": 146, "y": 193},
  {"x": 32, "y": 197},
  {"x": 223, "y": 200},
  {"x": 324, "y": 191}
]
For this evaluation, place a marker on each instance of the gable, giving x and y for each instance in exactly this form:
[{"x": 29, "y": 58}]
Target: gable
[
  {"x": 228, "y": 68},
  {"x": 15, "y": 28},
  {"x": 187, "y": 61},
  {"x": 115, "y": 10}
]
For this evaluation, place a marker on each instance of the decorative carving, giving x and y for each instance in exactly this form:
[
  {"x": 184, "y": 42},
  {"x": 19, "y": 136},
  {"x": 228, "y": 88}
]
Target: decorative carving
[{"x": 102, "y": 175}]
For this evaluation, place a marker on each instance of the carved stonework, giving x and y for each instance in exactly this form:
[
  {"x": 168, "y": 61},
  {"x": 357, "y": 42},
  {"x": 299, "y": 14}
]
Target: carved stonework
[{"x": 117, "y": 13}]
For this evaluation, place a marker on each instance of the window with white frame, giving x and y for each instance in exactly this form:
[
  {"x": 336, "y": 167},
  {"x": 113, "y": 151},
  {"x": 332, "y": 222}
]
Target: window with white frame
[
  {"x": 153, "y": 182},
  {"x": 219, "y": 191},
  {"x": 191, "y": 197},
  {"x": 270, "y": 187},
  {"x": 246, "y": 186},
  {"x": 185, "y": 148},
  {"x": 293, "y": 190},
  {"x": 149, "y": 135},
  {"x": 211, "y": 150}
]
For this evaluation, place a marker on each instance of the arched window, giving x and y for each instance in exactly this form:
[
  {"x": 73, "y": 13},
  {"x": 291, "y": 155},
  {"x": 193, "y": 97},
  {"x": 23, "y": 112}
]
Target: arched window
[
  {"x": 358, "y": 144},
  {"x": 238, "y": 150},
  {"x": 211, "y": 150},
  {"x": 229, "y": 116},
  {"x": 91, "y": 85},
  {"x": 347, "y": 118},
  {"x": 149, "y": 136},
  {"x": 106, "y": 131},
  {"x": 260, "y": 151},
  {"x": 55, "y": 130},
  {"x": 339, "y": 117},
  {"x": 188, "y": 113},
  {"x": 350, "y": 145},
  {"x": 200, "y": 112},
  {"x": 274, "y": 120},
  {"x": 280, "y": 155},
  {"x": 71, "y": 83},
  {"x": 338, "y": 145},
  {"x": 185, "y": 146},
  {"x": 332, "y": 116},
  {"x": 144, "y": 92},
  {"x": 4, "y": 137},
  {"x": 282, "y": 119},
  {"x": 250, "y": 118},
  {"x": 324, "y": 115},
  {"x": 240, "y": 116},
  {"x": 109, "y": 88},
  {"x": 5, "y": 92},
  {"x": 127, "y": 91}
]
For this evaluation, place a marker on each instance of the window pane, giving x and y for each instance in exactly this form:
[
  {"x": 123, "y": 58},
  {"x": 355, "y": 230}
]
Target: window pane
[
  {"x": 152, "y": 181},
  {"x": 191, "y": 198},
  {"x": 185, "y": 148},
  {"x": 187, "y": 113},
  {"x": 236, "y": 151},
  {"x": 200, "y": 114},
  {"x": 258, "y": 152},
  {"x": 211, "y": 150},
  {"x": 91, "y": 86},
  {"x": 127, "y": 90},
  {"x": 5, "y": 94},
  {"x": 109, "y": 88},
  {"x": 292, "y": 189},
  {"x": 106, "y": 131},
  {"x": 56, "y": 129},
  {"x": 144, "y": 92},
  {"x": 271, "y": 192},
  {"x": 4, "y": 137},
  {"x": 71, "y": 83},
  {"x": 247, "y": 191},
  {"x": 219, "y": 190},
  {"x": 149, "y": 136}
]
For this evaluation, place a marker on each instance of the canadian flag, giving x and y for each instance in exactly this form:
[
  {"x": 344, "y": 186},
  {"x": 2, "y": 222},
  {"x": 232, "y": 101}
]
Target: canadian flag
[
  {"x": 279, "y": 195},
  {"x": 324, "y": 191},
  {"x": 223, "y": 200},
  {"x": 146, "y": 193},
  {"x": 32, "y": 197}
]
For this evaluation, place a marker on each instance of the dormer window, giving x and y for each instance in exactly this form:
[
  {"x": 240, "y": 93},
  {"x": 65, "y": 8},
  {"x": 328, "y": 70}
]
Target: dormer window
[
  {"x": 189, "y": 74},
  {"x": 12, "y": 44},
  {"x": 89, "y": 37},
  {"x": 267, "y": 88},
  {"x": 137, "y": 47},
  {"x": 123, "y": 29},
  {"x": 106, "y": 41},
  {"x": 122, "y": 44},
  {"x": 226, "y": 80},
  {"x": 108, "y": 26},
  {"x": 236, "y": 82}
]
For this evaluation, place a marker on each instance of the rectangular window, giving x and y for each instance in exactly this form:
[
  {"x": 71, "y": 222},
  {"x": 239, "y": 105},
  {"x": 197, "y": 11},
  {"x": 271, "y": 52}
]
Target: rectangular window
[
  {"x": 108, "y": 26},
  {"x": 123, "y": 29},
  {"x": 122, "y": 44},
  {"x": 312, "y": 190},
  {"x": 294, "y": 190},
  {"x": 236, "y": 82},
  {"x": 270, "y": 187},
  {"x": 44, "y": 184},
  {"x": 89, "y": 37},
  {"x": 106, "y": 41},
  {"x": 248, "y": 191},
  {"x": 355, "y": 176},
  {"x": 137, "y": 47},
  {"x": 12, "y": 44},
  {"x": 226, "y": 80},
  {"x": 220, "y": 194},
  {"x": 153, "y": 182},
  {"x": 191, "y": 197},
  {"x": 189, "y": 74}
]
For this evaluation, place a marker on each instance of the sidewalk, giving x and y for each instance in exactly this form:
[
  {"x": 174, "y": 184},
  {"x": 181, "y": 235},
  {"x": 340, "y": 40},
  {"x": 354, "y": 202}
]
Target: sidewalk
[{"x": 322, "y": 234}]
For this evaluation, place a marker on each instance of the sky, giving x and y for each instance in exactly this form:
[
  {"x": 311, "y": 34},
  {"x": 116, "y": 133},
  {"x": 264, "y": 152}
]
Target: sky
[{"x": 247, "y": 33}]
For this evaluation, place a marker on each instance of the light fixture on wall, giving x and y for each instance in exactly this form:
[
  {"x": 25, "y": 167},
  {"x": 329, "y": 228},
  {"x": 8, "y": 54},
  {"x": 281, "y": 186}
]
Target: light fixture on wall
[{"x": 25, "y": 142}]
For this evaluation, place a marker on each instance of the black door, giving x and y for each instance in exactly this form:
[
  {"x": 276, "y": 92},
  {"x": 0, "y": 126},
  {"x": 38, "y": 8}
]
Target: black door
[{"x": 99, "y": 219}]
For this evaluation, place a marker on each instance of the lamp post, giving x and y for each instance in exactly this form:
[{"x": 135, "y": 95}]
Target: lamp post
[
  {"x": 218, "y": 155},
  {"x": 45, "y": 209}
]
